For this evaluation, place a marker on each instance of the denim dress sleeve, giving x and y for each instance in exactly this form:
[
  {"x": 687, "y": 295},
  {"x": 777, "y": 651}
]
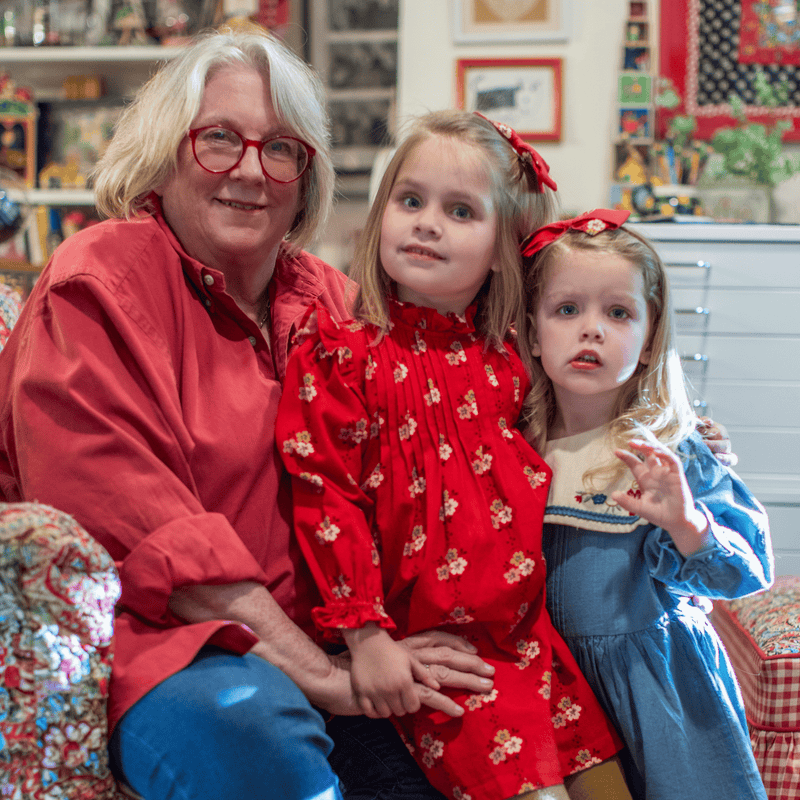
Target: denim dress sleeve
[{"x": 739, "y": 561}]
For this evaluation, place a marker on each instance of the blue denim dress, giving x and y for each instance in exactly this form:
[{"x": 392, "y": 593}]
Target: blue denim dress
[{"x": 620, "y": 593}]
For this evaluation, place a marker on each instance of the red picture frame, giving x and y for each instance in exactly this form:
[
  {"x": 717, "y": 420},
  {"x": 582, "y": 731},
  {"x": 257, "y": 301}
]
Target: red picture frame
[
  {"x": 524, "y": 93},
  {"x": 678, "y": 47}
]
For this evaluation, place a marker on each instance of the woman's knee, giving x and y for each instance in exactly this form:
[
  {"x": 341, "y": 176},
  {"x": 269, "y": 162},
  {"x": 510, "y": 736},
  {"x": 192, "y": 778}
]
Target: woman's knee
[{"x": 225, "y": 721}]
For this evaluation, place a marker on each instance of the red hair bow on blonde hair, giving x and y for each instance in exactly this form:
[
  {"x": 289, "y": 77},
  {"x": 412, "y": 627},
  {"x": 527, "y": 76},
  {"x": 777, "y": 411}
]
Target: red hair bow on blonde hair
[
  {"x": 591, "y": 223},
  {"x": 529, "y": 157}
]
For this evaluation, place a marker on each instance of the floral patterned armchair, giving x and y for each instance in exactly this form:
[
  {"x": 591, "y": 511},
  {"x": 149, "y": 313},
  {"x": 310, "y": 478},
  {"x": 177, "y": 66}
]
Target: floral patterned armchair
[{"x": 58, "y": 588}]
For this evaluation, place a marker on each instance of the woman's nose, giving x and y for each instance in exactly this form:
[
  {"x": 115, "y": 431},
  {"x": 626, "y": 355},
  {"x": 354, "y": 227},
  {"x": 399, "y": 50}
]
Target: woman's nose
[{"x": 249, "y": 166}]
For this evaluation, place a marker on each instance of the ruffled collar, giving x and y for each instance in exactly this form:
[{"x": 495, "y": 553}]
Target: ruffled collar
[{"x": 430, "y": 319}]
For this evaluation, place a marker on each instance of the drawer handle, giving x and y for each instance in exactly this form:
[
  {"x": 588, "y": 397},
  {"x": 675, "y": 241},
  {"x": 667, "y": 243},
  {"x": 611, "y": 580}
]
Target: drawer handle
[
  {"x": 691, "y": 264},
  {"x": 701, "y": 404},
  {"x": 697, "y": 310},
  {"x": 694, "y": 357}
]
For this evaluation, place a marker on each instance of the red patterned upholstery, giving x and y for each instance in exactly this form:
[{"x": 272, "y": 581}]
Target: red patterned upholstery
[
  {"x": 762, "y": 636},
  {"x": 58, "y": 588}
]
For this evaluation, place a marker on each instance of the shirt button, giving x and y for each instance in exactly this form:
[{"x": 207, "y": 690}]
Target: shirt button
[
  {"x": 252, "y": 340},
  {"x": 209, "y": 279}
]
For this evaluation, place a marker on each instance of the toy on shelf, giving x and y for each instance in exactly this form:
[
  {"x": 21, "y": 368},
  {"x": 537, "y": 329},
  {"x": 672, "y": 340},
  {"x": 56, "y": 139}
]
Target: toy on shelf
[{"x": 18, "y": 116}]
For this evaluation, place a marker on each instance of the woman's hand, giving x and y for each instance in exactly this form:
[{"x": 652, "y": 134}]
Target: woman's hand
[
  {"x": 664, "y": 497},
  {"x": 716, "y": 437}
]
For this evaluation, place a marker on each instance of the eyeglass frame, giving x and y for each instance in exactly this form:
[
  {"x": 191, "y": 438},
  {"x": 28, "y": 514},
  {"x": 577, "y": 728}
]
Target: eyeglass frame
[{"x": 259, "y": 144}]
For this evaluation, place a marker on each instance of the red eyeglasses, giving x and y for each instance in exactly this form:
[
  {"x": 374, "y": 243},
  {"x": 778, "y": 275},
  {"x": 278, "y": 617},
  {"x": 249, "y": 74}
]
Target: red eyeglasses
[{"x": 283, "y": 158}]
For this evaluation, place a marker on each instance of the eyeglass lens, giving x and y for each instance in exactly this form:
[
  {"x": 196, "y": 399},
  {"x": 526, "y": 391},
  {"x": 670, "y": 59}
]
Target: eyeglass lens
[{"x": 219, "y": 149}]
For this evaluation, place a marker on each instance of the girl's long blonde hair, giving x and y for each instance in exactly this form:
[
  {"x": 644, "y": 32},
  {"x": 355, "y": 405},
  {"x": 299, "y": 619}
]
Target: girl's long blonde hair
[
  {"x": 654, "y": 401},
  {"x": 520, "y": 208}
]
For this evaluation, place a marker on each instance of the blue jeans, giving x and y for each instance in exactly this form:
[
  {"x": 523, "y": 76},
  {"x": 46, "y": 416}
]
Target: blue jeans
[{"x": 229, "y": 727}]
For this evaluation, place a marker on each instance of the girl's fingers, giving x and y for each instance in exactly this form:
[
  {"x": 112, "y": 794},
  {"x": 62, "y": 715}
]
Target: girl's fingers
[{"x": 423, "y": 674}]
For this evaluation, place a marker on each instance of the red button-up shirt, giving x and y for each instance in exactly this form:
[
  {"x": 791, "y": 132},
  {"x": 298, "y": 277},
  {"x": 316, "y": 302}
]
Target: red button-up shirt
[{"x": 138, "y": 397}]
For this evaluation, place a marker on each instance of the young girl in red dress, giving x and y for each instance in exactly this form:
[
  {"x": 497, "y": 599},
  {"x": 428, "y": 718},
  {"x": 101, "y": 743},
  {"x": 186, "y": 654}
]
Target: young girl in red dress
[{"x": 417, "y": 502}]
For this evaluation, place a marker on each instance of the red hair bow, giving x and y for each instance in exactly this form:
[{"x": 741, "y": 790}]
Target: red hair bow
[
  {"x": 591, "y": 223},
  {"x": 529, "y": 157}
]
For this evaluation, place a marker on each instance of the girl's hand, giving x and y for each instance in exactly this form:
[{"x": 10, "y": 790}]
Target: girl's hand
[
  {"x": 719, "y": 443},
  {"x": 386, "y": 676},
  {"x": 665, "y": 498}
]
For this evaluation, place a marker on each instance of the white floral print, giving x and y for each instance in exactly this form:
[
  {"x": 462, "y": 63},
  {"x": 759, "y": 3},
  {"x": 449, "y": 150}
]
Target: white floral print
[
  {"x": 417, "y": 541},
  {"x": 453, "y": 564},
  {"x": 521, "y": 567},
  {"x": 301, "y": 444},
  {"x": 326, "y": 531},
  {"x": 307, "y": 391}
]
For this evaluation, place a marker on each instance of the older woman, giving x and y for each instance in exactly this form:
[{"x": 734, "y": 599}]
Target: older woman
[{"x": 139, "y": 393}]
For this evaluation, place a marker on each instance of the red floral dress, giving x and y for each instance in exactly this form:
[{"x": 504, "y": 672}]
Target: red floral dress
[{"x": 419, "y": 505}]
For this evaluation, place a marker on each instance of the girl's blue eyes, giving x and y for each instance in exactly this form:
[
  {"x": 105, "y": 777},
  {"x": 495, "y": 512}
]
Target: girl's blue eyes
[
  {"x": 570, "y": 309},
  {"x": 459, "y": 211}
]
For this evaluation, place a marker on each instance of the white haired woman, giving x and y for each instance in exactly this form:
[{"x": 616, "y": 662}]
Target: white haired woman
[{"x": 139, "y": 392}]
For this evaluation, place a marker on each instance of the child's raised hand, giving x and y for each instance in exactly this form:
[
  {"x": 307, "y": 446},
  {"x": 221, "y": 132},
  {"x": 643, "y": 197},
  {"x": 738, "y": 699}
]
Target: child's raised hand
[
  {"x": 664, "y": 497},
  {"x": 385, "y": 675}
]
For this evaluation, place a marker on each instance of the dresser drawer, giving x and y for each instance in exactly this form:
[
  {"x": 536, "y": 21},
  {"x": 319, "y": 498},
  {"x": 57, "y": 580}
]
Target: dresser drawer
[
  {"x": 738, "y": 310},
  {"x": 760, "y": 358},
  {"x": 754, "y": 403}
]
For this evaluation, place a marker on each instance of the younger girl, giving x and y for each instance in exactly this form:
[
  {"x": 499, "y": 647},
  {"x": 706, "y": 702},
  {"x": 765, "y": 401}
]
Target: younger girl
[
  {"x": 414, "y": 491},
  {"x": 640, "y": 515}
]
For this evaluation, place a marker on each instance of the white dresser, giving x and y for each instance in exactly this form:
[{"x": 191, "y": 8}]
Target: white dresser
[{"x": 736, "y": 296}]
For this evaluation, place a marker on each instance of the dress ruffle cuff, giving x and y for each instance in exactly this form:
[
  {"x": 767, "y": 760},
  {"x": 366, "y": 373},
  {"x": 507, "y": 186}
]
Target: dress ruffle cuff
[{"x": 331, "y": 619}]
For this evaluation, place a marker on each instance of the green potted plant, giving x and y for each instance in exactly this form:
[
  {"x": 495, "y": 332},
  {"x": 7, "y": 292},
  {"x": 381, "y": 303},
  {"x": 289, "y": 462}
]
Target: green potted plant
[{"x": 752, "y": 160}]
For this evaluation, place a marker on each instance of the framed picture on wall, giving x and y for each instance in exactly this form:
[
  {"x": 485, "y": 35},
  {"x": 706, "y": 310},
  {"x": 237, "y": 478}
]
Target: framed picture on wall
[
  {"x": 524, "y": 93},
  {"x": 510, "y": 20}
]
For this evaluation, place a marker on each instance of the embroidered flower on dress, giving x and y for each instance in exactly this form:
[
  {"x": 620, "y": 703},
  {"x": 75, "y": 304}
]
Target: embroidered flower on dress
[
  {"x": 431, "y": 749},
  {"x": 544, "y": 689},
  {"x": 491, "y": 376},
  {"x": 453, "y": 564},
  {"x": 528, "y": 650},
  {"x": 459, "y": 616},
  {"x": 449, "y": 506},
  {"x": 417, "y": 486},
  {"x": 307, "y": 391},
  {"x": 460, "y": 794},
  {"x": 344, "y": 353},
  {"x": 341, "y": 589},
  {"x": 500, "y": 513},
  {"x": 470, "y": 406},
  {"x": 418, "y": 539},
  {"x": 314, "y": 480},
  {"x": 508, "y": 745},
  {"x": 445, "y": 451},
  {"x": 434, "y": 395},
  {"x": 516, "y": 388},
  {"x": 600, "y": 499},
  {"x": 476, "y": 701},
  {"x": 370, "y": 368},
  {"x": 327, "y": 531},
  {"x": 375, "y": 478},
  {"x": 568, "y": 712},
  {"x": 301, "y": 444},
  {"x": 400, "y": 372},
  {"x": 356, "y": 434},
  {"x": 408, "y": 429},
  {"x": 521, "y": 567},
  {"x": 504, "y": 431},
  {"x": 458, "y": 356},
  {"x": 535, "y": 479},
  {"x": 584, "y": 759},
  {"x": 483, "y": 462},
  {"x": 419, "y": 346}
]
